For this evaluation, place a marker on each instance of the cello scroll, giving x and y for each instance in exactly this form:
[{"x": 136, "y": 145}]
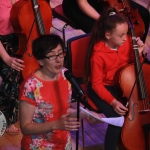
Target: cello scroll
[{"x": 126, "y": 9}]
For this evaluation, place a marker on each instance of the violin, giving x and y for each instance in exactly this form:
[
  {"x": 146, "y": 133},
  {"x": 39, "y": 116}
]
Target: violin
[
  {"x": 30, "y": 19},
  {"x": 133, "y": 83},
  {"x": 125, "y": 8}
]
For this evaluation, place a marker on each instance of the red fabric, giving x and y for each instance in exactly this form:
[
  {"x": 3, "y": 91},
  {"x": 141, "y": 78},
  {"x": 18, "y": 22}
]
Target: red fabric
[
  {"x": 90, "y": 102},
  {"x": 104, "y": 63},
  {"x": 5, "y": 24},
  {"x": 52, "y": 99},
  {"x": 78, "y": 52}
]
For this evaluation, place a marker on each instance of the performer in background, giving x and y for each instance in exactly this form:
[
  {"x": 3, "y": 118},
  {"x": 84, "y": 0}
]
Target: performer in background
[
  {"x": 9, "y": 68},
  {"x": 109, "y": 49},
  {"x": 45, "y": 98},
  {"x": 84, "y": 13}
]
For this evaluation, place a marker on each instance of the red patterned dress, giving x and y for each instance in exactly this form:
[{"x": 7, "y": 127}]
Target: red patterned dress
[{"x": 52, "y": 99}]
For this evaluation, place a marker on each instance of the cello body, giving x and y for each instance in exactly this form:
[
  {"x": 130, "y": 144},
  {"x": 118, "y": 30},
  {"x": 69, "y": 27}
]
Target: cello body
[
  {"x": 23, "y": 17},
  {"x": 134, "y": 84},
  {"x": 133, "y": 134},
  {"x": 125, "y": 8}
]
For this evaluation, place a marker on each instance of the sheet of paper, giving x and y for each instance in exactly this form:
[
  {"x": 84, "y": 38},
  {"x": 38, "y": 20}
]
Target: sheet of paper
[{"x": 116, "y": 121}]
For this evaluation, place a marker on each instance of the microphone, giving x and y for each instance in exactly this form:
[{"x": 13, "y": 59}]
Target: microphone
[
  {"x": 78, "y": 88},
  {"x": 73, "y": 82}
]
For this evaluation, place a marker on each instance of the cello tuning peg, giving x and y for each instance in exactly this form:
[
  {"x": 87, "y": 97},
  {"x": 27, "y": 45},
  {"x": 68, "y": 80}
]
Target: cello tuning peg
[{"x": 136, "y": 22}]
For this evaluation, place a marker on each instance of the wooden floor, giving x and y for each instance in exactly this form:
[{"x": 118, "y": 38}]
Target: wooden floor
[{"x": 94, "y": 133}]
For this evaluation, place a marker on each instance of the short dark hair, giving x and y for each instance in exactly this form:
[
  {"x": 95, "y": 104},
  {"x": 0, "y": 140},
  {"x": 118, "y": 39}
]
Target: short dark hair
[{"x": 42, "y": 45}]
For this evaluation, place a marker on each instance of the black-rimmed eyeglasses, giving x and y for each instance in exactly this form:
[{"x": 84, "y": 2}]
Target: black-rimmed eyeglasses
[{"x": 53, "y": 57}]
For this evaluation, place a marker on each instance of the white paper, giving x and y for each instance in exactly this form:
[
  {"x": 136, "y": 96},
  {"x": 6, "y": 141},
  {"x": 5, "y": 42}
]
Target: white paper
[{"x": 116, "y": 121}]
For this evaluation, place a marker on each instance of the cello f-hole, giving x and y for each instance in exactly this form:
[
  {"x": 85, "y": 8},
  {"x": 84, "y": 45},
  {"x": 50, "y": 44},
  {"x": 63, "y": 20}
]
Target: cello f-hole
[{"x": 132, "y": 112}]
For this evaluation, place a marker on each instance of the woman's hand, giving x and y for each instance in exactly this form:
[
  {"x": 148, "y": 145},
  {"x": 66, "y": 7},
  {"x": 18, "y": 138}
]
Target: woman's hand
[
  {"x": 12, "y": 62},
  {"x": 118, "y": 107},
  {"x": 15, "y": 63},
  {"x": 67, "y": 123},
  {"x": 140, "y": 45}
]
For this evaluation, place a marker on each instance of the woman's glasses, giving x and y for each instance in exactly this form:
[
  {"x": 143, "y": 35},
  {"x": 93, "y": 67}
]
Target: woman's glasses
[{"x": 53, "y": 57}]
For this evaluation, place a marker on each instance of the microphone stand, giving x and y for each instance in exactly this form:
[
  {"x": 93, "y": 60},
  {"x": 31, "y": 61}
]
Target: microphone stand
[
  {"x": 84, "y": 101},
  {"x": 77, "y": 132},
  {"x": 80, "y": 96}
]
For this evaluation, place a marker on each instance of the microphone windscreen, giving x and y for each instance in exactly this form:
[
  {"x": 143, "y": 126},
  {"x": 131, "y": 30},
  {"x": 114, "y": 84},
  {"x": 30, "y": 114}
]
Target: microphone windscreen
[{"x": 68, "y": 74}]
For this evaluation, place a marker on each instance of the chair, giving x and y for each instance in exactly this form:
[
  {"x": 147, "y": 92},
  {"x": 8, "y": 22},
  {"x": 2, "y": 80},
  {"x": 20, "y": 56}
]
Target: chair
[
  {"x": 76, "y": 52},
  {"x": 59, "y": 13}
]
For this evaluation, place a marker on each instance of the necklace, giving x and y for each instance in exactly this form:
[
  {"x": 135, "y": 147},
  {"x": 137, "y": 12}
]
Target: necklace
[{"x": 115, "y": 48}]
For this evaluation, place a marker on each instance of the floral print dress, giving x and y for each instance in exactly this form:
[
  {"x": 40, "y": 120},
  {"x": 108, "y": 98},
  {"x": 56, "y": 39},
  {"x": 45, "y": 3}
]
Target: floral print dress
[
  {"x": 11, "y": 80},
  {"x": 52, "y": 99}
]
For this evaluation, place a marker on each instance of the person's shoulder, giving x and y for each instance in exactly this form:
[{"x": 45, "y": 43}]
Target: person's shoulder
[
  {"x": 30, "y": 79},
  {"x": 99, "y": 47}
]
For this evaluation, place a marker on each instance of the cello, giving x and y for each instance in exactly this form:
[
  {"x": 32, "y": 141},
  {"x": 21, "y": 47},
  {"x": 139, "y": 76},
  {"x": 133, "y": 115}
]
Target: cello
[
  {"x": 23, "y": 16},
  {"x": 134, "y": 84},
  {"x": 124, "y": 7}
]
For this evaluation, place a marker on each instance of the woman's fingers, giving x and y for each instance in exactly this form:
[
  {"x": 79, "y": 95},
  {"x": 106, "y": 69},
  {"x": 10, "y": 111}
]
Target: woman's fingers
[
  {"x": 70, "y": 123},
  {"x": 17, "y": 64}
]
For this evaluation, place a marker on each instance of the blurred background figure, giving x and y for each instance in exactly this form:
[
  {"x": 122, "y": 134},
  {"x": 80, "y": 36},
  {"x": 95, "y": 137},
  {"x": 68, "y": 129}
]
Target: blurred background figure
[{"x": 9, "y": 68}]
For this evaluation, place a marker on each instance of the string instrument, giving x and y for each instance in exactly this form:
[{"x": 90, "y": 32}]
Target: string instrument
[
  {"x": 125, "y": 7},
  {"x": 30, "y": 19},
  {"x": 133, "y": 82}
]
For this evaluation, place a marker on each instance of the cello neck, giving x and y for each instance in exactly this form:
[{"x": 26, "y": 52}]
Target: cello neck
[
  {"x": 38, "y": 16},
  {"x": 138, "y": 66}
]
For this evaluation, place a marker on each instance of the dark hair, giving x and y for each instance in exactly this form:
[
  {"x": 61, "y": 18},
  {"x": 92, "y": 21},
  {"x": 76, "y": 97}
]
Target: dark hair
[
  {"x": 44, "y": 44},
  {"x": 106, "y": 23}
]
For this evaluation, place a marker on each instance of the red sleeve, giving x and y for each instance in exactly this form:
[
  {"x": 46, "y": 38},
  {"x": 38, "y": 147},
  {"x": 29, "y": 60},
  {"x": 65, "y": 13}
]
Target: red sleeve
[
  {"x": 23, "y": 96},
  {"x": 96, "y": 80}
]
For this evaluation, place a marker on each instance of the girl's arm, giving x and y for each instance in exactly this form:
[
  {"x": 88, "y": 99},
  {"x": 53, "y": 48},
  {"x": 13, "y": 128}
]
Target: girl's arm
[{"x": 88, "y": 9}]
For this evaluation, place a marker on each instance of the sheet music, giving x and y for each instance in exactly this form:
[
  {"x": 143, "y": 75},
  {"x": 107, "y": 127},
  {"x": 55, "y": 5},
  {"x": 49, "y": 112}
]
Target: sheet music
[{"x": 116, "y": 121}]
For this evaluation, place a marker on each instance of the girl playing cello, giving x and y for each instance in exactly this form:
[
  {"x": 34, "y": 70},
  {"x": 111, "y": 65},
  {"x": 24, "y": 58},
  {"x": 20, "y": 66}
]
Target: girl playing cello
[{"x": 109, "y": 49}]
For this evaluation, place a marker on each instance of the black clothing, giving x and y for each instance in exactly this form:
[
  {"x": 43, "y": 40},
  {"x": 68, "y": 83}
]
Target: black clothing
[
  {"x": 11, "y": 79},
  {"x": 81, "y": 20},
  {"x": 85, "y": 23},
  {"x": 113, "y": 132}
]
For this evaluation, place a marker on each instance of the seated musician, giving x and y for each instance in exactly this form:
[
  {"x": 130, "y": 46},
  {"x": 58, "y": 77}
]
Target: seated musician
[
  {"x": 109, "y": 49},
  {"x": 84, "y": 13}
]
